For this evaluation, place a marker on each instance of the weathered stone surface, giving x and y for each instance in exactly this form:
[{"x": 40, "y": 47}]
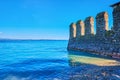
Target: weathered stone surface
[
  {"x": 80, "y": 29},
  {"x": 89, "y": 26},
  {"x": 104, "y": 42},
  {"x": 101, "y": 24},
  {"x": 72, "y": 30},
  {"x": 116, "y": 18}
]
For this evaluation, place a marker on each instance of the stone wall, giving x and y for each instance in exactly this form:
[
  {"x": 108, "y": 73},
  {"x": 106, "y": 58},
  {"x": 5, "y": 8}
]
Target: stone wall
[
  {"x": 101, "y": 24},
  {"x": 104, "y": 42},
  {"x": 80, "y": 28},
  {"x": 89, "y": 26},
  {"x": 72, "y": 30},
  {"x": 116, "y": 19}
]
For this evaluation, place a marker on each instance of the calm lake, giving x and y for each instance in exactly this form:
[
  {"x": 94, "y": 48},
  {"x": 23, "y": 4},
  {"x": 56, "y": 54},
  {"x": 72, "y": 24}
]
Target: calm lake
[{"x": 45, "y": 60}]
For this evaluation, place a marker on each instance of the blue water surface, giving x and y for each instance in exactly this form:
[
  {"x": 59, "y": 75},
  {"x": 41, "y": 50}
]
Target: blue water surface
[{"x": 38, "y": 60}]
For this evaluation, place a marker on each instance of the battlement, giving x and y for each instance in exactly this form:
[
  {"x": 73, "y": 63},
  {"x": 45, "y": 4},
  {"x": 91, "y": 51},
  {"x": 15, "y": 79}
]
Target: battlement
[
  {"x": 86, "y": 28},
  {"x": 89, "y": 26},
  {"x": 101, "y": 24},
  {"x": 116, "y": 19},
  {"x": 80, "y": 29},
  {"x": 72, "y": 30},
  {"x": 101, "y": 15},
  {"x": 105, "y": 42}
]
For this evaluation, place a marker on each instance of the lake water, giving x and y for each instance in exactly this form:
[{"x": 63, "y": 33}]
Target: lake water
[{"x": 44, "y": 60}]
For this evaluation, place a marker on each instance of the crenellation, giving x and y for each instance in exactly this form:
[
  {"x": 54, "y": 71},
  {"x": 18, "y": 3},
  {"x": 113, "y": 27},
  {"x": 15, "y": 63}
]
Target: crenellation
[
  {"x": 101, "y": 24},
  {"x": 104, "y": 42},
  {"x": 72, "y": 30},
  {"x": 116, "y": 19},
  {"x": 80, "y": 28},
  {"x": 89, "y": 26}
]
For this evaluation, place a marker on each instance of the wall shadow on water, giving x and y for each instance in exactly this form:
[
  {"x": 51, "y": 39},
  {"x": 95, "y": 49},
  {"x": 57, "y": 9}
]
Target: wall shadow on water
[{"x": 88, "y": 66}]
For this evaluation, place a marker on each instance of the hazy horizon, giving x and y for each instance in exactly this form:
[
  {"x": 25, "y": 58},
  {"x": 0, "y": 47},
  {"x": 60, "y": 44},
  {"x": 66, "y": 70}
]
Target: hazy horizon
[{"x": 28, "y": 39}]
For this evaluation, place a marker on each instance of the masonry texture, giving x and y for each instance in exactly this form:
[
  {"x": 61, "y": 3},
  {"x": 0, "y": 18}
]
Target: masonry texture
[{"x": 104, "y": 42}]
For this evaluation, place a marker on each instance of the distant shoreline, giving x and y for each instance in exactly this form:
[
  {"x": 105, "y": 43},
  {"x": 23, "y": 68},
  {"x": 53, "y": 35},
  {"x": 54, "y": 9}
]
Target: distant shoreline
[{"x": 33, "y": 40}]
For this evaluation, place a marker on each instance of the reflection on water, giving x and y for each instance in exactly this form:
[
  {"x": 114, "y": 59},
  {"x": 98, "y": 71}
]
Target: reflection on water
[{"x": 78, "y": 58}]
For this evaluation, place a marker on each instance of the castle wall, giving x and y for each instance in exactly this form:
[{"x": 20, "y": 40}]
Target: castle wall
[
  {"x": 104, "y": 42},
  {"x": 101, "y": 24},
  {"x": 116, "y": 19},
  {"x": 72, "y": 30},
  {"x": 80, "y": 29},
  {"x": 89, "y": 26}
]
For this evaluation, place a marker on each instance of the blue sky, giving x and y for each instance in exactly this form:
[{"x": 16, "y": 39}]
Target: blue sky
[{"x": 46, "y": 19}]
